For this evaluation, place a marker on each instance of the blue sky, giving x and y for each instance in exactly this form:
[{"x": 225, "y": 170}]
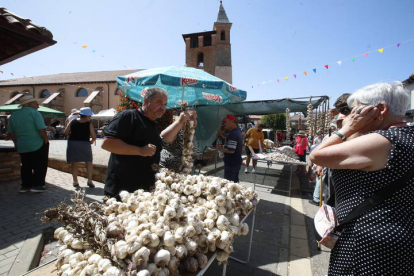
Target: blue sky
[{"x": 271, "y": 39}]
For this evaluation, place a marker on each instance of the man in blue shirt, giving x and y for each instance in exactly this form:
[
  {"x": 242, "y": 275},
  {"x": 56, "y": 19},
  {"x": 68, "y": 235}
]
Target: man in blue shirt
[
  {"x": 232, "y": 149},
  {"x": 28, "y": 132}
]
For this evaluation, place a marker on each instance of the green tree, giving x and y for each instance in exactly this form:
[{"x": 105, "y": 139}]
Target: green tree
[{"x": 274, "y": 121}]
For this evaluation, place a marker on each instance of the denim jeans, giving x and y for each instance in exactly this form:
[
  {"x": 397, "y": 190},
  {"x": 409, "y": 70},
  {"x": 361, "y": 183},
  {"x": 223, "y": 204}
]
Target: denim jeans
[{"x": 317, "y": 191}]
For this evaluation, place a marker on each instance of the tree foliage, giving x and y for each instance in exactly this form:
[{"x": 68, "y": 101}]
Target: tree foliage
[{"x": 274, "y": 121}]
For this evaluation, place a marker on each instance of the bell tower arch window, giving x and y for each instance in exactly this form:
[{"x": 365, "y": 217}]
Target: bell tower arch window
[
  {"x": 200, "y": 60},
  {"x": 223, "y": 35}
]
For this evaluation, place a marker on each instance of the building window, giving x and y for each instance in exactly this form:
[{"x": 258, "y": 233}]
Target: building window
[
  {"x": 82, "y": 93},
  {"x": 44, "y": 94},
  {"x": 207, "y": 40},
  {"x": 194, "y": 42},
  {"x": 14, "y": 94},
  {"x": 200, "y": 60},
  {"x": 223, "y": 35}
]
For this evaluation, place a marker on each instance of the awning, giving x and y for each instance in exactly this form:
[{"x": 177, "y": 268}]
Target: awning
[{"x": 20, "y": 37}]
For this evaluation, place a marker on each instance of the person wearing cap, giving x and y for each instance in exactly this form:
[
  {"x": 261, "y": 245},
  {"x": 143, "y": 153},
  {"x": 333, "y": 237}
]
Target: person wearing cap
[
  {"x": 254, "y": 139},
  {"x": 232, "y": 149},
  {"x": 79, "y": 147},
  {"x": 74, "y": 115},
  {"x": 28, "y": 132},
  {"x": 135, "y": 144}
]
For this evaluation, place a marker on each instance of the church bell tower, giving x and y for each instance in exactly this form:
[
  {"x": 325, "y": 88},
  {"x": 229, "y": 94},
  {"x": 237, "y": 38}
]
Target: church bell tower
[{"x": 211, "y": 51}]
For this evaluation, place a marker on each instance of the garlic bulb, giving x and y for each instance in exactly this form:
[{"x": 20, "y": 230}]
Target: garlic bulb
[{"x": 162, "y": 257}]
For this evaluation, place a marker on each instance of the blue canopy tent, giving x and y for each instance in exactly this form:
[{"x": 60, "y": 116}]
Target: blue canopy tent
[{"x": 183, "y": 84}]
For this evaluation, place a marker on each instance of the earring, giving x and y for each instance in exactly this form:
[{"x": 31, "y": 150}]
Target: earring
[{"x": 380, "y": 118}]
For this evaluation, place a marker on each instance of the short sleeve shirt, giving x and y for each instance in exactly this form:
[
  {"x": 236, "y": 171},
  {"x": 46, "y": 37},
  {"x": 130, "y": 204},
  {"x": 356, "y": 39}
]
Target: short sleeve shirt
[
  {"x": 233, "y": 143},
  {"x": 25, "y": 124},
  {"x": 132, "y": 172},
  {"x": 254, "y": 137}
]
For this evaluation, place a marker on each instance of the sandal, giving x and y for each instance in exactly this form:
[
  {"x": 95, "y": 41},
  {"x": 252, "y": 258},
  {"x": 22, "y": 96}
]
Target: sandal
[
  {"x": 90, "y": 185},
  {"x": 76, "y": 185}
]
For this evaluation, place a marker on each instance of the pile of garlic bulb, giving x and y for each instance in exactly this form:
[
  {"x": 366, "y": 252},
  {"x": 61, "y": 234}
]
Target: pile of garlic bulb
[
  {"x": 164, "y": 232},
  {"x": 288, "y": 129},
  {"x": 187, "y": 160},
  {"x": 288, "y": 151},
  {"x": 279, "y": 157}
]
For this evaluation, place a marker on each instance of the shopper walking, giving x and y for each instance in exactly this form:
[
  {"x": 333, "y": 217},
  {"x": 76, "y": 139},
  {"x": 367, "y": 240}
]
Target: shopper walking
[{"x": 79, "y": 147}]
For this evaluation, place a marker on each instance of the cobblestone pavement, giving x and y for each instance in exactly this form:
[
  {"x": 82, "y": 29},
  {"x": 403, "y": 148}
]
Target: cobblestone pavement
[{"x": 280, "y": 239}]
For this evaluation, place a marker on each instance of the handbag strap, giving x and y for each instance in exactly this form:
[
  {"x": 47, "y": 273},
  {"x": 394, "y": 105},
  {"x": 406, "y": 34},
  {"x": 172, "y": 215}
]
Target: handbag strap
[{"x": 377, "y": 198}]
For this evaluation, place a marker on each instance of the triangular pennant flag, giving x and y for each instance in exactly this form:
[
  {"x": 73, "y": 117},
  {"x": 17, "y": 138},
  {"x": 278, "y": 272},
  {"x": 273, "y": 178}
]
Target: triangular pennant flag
[
  {"x": 1, "y": 72},
  {"x": 314, "y": 70},
  {"x": 286, "y": 78},
  {"x": 278, "y": 80},
  {"x": 93, "y": 51},
  {"x": 306, "y": 73},
  {"x": 366, "y": 54},
  {"x": 352, "y": 58},
  {"x": 62, "y": 37},
  {"x": 294, "y": 76},
  {"x": 252, "y": 86},
  {"x": 381, "y": 50},
  {"x": 11, "y": 74},
  {"x": 84, "y": 47},
  {"x": 398, "y": 44},
  {"x": 326, "y": 66},
  {"x": 339, "y": 62}
]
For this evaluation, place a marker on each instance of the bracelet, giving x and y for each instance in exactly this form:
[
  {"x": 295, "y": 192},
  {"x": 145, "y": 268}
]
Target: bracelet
[{"x": 340, "y": 135}]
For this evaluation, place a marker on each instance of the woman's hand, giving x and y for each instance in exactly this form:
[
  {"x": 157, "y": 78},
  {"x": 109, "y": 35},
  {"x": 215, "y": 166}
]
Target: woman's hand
[{"x": 360, "y": 120}]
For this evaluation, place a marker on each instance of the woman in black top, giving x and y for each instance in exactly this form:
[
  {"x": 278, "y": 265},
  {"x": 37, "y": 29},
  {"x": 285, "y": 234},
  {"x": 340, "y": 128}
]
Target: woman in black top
[{"x": 79, "y": 144}]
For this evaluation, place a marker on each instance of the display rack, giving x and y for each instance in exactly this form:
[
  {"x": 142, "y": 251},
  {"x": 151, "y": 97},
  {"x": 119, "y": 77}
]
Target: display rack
[{"x": 269, "y": 164}]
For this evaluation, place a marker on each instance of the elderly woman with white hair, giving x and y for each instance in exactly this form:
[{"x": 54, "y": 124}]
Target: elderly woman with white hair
[{"x": 373, "y": 149}]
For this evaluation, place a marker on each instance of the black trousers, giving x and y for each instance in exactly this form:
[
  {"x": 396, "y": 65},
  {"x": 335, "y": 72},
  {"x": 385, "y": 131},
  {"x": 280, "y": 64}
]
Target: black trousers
[{"x": 34, "y": 167}]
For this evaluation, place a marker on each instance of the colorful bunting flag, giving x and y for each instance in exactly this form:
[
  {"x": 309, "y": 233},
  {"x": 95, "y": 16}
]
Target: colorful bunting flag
[
  {"x": 381, "y": 50},
  {"x": 1, "y": 72},
  {"x": 339, "y": 62},
  {"x": 306, "y": 73},
  {"x": 84, "y": 47},
  {"x": 314, "y": 70},
  {"x": 294, "y": 75},
  {"x": 366, "y": 54},
  {"x": 398, "y": 44},
  {"x": 286, "y": 78},
  {"x": 352, "y": 58},
  {"x": 278, "y": 80},
  {"x": 93, "y": 51},
  {"x": 326, "y": 66}
]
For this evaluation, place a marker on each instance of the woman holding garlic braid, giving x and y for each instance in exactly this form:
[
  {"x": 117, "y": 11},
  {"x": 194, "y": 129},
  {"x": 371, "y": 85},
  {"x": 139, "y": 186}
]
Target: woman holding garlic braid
[
  {"x": 171, "y": 154},
  {"x": 373, "y": 149}
]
